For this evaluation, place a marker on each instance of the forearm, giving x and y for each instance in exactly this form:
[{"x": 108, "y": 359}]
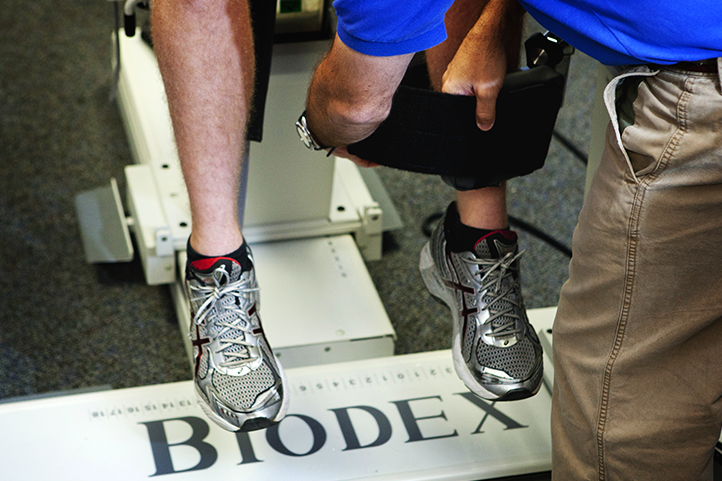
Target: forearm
[
  {"x": 482, "y": 33},
  {"x": 350, "y": 94},
  {"x": 500, "y": 26}
]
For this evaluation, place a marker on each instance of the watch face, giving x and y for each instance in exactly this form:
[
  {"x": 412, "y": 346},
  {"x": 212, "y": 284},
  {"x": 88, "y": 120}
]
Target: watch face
[{"x": 304, "y": 135}]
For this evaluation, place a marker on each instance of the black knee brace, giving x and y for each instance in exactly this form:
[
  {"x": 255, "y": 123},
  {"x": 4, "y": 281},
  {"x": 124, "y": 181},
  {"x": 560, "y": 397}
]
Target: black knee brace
[{"x": 436, "y": 133}]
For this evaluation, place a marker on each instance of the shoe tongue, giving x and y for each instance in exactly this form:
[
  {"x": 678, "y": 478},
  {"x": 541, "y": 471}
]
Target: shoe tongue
[
  {"x": 496, "y": 244},
  {"x": 205, "y": 268},
  {"x": 206, "y": 271}
]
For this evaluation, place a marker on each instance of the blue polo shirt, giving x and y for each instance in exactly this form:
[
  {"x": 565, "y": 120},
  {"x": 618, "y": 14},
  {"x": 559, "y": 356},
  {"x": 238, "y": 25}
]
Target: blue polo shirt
[
  {"x": 391, "y": 27},
  {"x": 620, "y": 32},
  {"x": 615, "y": 32}
]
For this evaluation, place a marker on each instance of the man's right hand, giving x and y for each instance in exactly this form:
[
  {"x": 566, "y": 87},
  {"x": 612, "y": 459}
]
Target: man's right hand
[{"x": 480, "y": 64}]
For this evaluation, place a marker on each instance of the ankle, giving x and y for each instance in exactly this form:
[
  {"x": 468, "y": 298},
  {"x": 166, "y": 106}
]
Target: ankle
[
  {"x": 214, "y": 246},
  {"x": 242, "y": 255},
  {"x": 461, "y": 237}
]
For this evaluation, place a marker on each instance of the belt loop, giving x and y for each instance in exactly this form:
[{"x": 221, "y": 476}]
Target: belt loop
[{"x": 719, "y": 70}]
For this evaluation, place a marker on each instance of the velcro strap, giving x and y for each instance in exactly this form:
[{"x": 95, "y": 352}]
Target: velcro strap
[{"x": 436, "y": 133}]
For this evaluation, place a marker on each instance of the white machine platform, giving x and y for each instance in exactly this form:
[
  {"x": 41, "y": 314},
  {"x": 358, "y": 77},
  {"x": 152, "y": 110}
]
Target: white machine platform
[
  {"x": 319, "y": 304},
  {"x": 395, "y": 418}
]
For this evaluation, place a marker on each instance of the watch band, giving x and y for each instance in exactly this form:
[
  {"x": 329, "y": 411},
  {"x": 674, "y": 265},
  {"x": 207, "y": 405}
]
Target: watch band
[{"x": 305, "y": 134}]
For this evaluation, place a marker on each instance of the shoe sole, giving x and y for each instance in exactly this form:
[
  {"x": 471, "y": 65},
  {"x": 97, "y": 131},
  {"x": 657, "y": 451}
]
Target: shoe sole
[
  {"x": 518, "y": 390},
  {"x": 252, "y": 423}
]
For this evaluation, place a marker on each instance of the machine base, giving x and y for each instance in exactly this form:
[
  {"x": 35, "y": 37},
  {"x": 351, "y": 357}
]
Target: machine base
[{"x": 402, "y": 418}]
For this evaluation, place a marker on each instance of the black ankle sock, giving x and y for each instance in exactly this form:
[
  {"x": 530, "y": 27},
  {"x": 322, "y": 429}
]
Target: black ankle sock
[
  {"x": 461, "y": 237},
  {"x": 240, "y": 255}
]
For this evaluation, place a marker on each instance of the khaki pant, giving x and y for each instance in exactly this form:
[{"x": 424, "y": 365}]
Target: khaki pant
[{"x": 638, "y": 334}]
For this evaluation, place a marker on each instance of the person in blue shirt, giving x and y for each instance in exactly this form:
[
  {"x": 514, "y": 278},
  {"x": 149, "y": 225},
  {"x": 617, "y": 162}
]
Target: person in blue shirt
[
  {"x": 472, "y": 260},
  {"x": 638, "y": 391}
]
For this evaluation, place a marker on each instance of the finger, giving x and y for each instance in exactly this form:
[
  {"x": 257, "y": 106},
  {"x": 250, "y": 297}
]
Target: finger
[
  {"x": 486, "y": 106},
  {"x": 343, "y": 153},
  {"x": 485, "y": 98},
  {"x": 363, "y": 163},
  {"x": 455, "y": 86}
]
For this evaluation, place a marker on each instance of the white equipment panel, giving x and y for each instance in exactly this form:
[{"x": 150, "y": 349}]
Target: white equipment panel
[
  {"x": 397, "y": 418},
  {"x": 292, "y": 192},
  {"x": 287, "y": 182},
  {"x": 301, "y": 184}
]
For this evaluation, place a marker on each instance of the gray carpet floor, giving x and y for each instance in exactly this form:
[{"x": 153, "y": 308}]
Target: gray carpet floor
[{"x": 67, "y": 325}]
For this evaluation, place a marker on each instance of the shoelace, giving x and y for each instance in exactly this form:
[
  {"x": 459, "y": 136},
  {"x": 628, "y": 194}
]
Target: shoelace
[
  {"x": 495, "y": 271},
  {"x": 213, "y": 295}
]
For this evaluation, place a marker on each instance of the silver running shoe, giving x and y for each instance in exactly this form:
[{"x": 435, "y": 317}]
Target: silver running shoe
[
  {"x": 495, "y": 350},
  {"x": 239, "y": 383}
]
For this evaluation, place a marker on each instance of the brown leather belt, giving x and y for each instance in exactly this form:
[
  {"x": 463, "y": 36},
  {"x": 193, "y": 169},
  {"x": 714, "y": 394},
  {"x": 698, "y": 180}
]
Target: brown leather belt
[{"x": 703, "y": 66}]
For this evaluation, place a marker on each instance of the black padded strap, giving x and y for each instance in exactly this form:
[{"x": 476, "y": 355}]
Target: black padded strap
[
  {"x": 436, "y": 133},
  {"x": 263, "y": 22}
]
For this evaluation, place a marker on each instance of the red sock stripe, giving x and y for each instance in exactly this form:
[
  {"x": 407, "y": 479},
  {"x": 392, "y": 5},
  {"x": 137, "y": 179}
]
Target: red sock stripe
[
  {"x": 205, "y": 264},
  {"x": 508, "y": 234}
]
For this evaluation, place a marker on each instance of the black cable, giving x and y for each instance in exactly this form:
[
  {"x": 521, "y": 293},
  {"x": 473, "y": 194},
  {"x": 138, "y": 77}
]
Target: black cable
[
  {"x": 571, "y": 147},
  {"x": 427, "y": 227},
  {"x": 429, "y": 223},
  {"x": 541, "y": 235},
  {"x": 116, "y": 70}
]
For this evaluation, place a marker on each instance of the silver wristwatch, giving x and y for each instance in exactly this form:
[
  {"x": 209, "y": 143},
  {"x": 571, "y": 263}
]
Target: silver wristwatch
[{"x": 305, "y": 134}]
